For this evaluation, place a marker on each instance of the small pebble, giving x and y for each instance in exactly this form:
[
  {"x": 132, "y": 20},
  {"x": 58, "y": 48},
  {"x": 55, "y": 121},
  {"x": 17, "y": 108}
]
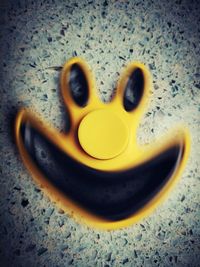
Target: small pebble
[
  {"x": 138, "y": 237},
  {"x": 42, "y": 251},
  {"x": 24, "y": 203},
  {"x": 125, "y": 261}
]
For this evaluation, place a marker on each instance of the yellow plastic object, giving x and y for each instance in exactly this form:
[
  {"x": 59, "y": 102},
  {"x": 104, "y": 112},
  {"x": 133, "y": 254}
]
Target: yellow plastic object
[
  {"x": 103, "y": 134},
  {"x": 102, "y": 141}
]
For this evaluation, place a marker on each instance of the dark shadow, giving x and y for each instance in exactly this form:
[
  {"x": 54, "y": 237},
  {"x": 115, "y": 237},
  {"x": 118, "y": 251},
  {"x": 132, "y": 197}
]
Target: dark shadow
[{"x": 111, "y": 195}]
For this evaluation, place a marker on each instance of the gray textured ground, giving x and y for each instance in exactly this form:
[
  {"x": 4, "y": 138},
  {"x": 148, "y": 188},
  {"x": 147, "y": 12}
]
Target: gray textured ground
[{"x": 36, "y": 36}]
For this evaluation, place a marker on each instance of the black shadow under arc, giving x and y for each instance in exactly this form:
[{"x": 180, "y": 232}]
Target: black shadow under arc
[{"x": 110, "y": 195}]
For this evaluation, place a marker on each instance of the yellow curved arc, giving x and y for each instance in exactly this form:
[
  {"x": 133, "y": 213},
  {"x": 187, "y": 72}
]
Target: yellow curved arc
[{"x": 82, "y": 216}]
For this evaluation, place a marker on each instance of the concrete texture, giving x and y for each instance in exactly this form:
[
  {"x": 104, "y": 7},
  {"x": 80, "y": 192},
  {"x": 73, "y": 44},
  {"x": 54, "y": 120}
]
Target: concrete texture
[{"x": 37, "y": 37}]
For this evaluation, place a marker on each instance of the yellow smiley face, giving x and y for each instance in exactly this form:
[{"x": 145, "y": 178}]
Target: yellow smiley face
[{"x": 97, "y": 170}]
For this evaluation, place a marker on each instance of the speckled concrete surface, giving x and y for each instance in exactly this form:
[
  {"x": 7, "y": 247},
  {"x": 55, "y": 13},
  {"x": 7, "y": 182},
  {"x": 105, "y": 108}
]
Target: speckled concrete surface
[{"x": 36, "y": 39}]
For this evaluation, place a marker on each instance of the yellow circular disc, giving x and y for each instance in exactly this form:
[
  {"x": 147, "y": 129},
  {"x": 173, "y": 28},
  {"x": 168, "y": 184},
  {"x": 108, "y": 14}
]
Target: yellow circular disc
[{"x": 102, "y": 134}]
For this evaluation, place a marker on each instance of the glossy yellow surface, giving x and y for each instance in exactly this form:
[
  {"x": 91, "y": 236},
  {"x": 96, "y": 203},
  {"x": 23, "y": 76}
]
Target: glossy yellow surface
[
  {"x": 102, "y": 134},
  {"x": 122, "y": 151}
]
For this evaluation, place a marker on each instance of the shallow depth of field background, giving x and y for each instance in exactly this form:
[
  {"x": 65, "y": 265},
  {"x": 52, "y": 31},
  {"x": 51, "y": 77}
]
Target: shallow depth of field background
[{"x": 36, "y": 38}]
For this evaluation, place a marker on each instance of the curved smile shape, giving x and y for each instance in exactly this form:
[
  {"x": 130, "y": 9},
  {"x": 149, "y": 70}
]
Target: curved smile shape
[{"x": 109, "y": 186}]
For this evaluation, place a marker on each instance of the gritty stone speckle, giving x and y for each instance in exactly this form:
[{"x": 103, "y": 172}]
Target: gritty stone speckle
[{"x": 36, "y": 38}]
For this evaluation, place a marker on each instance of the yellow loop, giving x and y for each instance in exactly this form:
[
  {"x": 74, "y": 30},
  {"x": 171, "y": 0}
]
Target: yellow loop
[{"x": 103, "y": 135}]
